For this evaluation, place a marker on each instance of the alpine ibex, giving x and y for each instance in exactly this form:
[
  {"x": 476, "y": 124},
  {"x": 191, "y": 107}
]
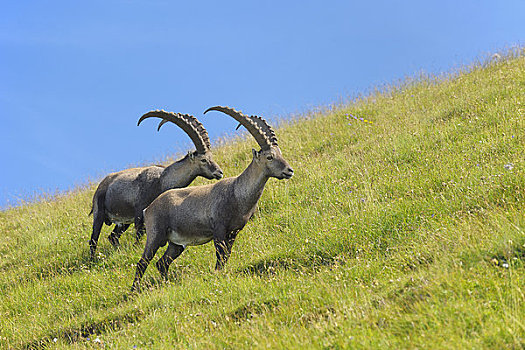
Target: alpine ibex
[
  {"x": 196, "y": 215},
  {"x": 121, "y": 197}
]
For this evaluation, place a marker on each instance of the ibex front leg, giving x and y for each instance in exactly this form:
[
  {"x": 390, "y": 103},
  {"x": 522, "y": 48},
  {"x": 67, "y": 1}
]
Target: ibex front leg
[{"x": 223, "y": 248}]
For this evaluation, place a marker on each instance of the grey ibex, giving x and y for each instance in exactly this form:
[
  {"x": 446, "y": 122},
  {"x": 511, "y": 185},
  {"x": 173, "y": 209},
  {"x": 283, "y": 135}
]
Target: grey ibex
[
  {"x": 121, "y": 197},
  {"x": 196, "y": 215}
]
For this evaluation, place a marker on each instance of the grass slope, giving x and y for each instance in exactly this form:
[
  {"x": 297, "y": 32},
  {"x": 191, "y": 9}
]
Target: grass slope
[{"x": 407, "y": 231}]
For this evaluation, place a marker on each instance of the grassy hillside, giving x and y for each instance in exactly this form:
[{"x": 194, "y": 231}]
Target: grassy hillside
[{"x": 404, "y": 229}]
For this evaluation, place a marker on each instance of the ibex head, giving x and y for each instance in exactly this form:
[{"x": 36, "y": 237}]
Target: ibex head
[
  {"x": 201, "y": 158},
  {"x": 274, "y": 163},
  {"x": 270, "y": 156},
  {"x": 206, "y": 165}
]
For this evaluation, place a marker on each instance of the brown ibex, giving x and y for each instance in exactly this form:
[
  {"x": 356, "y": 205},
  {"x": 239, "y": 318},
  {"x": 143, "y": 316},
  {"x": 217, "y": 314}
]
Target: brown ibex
[
  {"x": 122, "y": 196},
  {"x": 196, "y": 215}
]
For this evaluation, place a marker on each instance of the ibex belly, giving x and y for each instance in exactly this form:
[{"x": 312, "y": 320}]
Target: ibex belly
[
  {"x": 183, "y": 240},
  {"x": 117, "y": 219}
]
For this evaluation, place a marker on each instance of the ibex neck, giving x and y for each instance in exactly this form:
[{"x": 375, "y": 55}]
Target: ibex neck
[
  {"x": 249, "y": 186},
  {"x": 178, "y": 174}
]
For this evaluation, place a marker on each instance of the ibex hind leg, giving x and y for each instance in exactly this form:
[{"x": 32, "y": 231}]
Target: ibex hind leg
[
  {"x": 98, "y": 220},
  {"x": 152, "y": 245},
  {"x": 117, "y": 232},
  {"x": 97, "y": 227},
  {"x": 172, "y": 253},
  {"x": 139, "y": 228}
]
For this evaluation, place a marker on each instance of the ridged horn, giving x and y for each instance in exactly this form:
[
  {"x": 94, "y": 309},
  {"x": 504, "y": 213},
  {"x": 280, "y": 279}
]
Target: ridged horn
[
  {"x": 186, "y": 122},
  {"x": 266, "y": 128},
  {"x": 249, "y": 123},
  {"x": 197, "y": 124}
]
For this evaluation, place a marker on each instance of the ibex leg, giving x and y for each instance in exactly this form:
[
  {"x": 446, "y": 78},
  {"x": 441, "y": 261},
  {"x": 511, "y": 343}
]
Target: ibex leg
[
  {"x": 117, "y": 232},
  {"x": 151, "y": 248},
  {"x": 139, "y": 227},
  {"x": 172, "y": 253},
  {"x": 223, "y": 248},
  {"x": 98, "y": 221}
]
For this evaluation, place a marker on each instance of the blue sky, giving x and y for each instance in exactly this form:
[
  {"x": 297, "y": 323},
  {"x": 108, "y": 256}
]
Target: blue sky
[{"x": 76, "y": 76}]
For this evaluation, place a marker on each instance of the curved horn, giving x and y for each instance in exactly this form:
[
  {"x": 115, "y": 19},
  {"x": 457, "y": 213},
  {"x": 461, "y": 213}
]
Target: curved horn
[
  {"x": 162, "y": 122},
  {"x": 186, "y": 122},
  {"x": 198, "y": 126},
  {"x": 248, "y": 122},
  {"x": 266, "y": 128}
]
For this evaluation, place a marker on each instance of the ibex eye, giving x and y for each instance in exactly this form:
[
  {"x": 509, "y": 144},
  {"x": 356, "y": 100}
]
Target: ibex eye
[
  {"x": 269, "y": 157},
  {"x": 203, "y": 160}
]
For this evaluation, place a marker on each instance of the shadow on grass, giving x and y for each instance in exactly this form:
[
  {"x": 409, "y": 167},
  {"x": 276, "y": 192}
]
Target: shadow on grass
[
  {"x": 296, "y": 263},
  {"x": 85, "y": 331}
]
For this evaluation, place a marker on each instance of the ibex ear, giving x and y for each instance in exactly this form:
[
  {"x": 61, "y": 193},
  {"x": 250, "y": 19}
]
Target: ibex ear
[
  {"x": 191, "y": 155},
  {"x": 255, "y": 153}
]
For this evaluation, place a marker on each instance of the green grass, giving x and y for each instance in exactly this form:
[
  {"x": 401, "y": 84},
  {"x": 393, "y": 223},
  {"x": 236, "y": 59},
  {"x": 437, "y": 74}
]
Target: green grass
[{"x": 406, "y": 230}]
